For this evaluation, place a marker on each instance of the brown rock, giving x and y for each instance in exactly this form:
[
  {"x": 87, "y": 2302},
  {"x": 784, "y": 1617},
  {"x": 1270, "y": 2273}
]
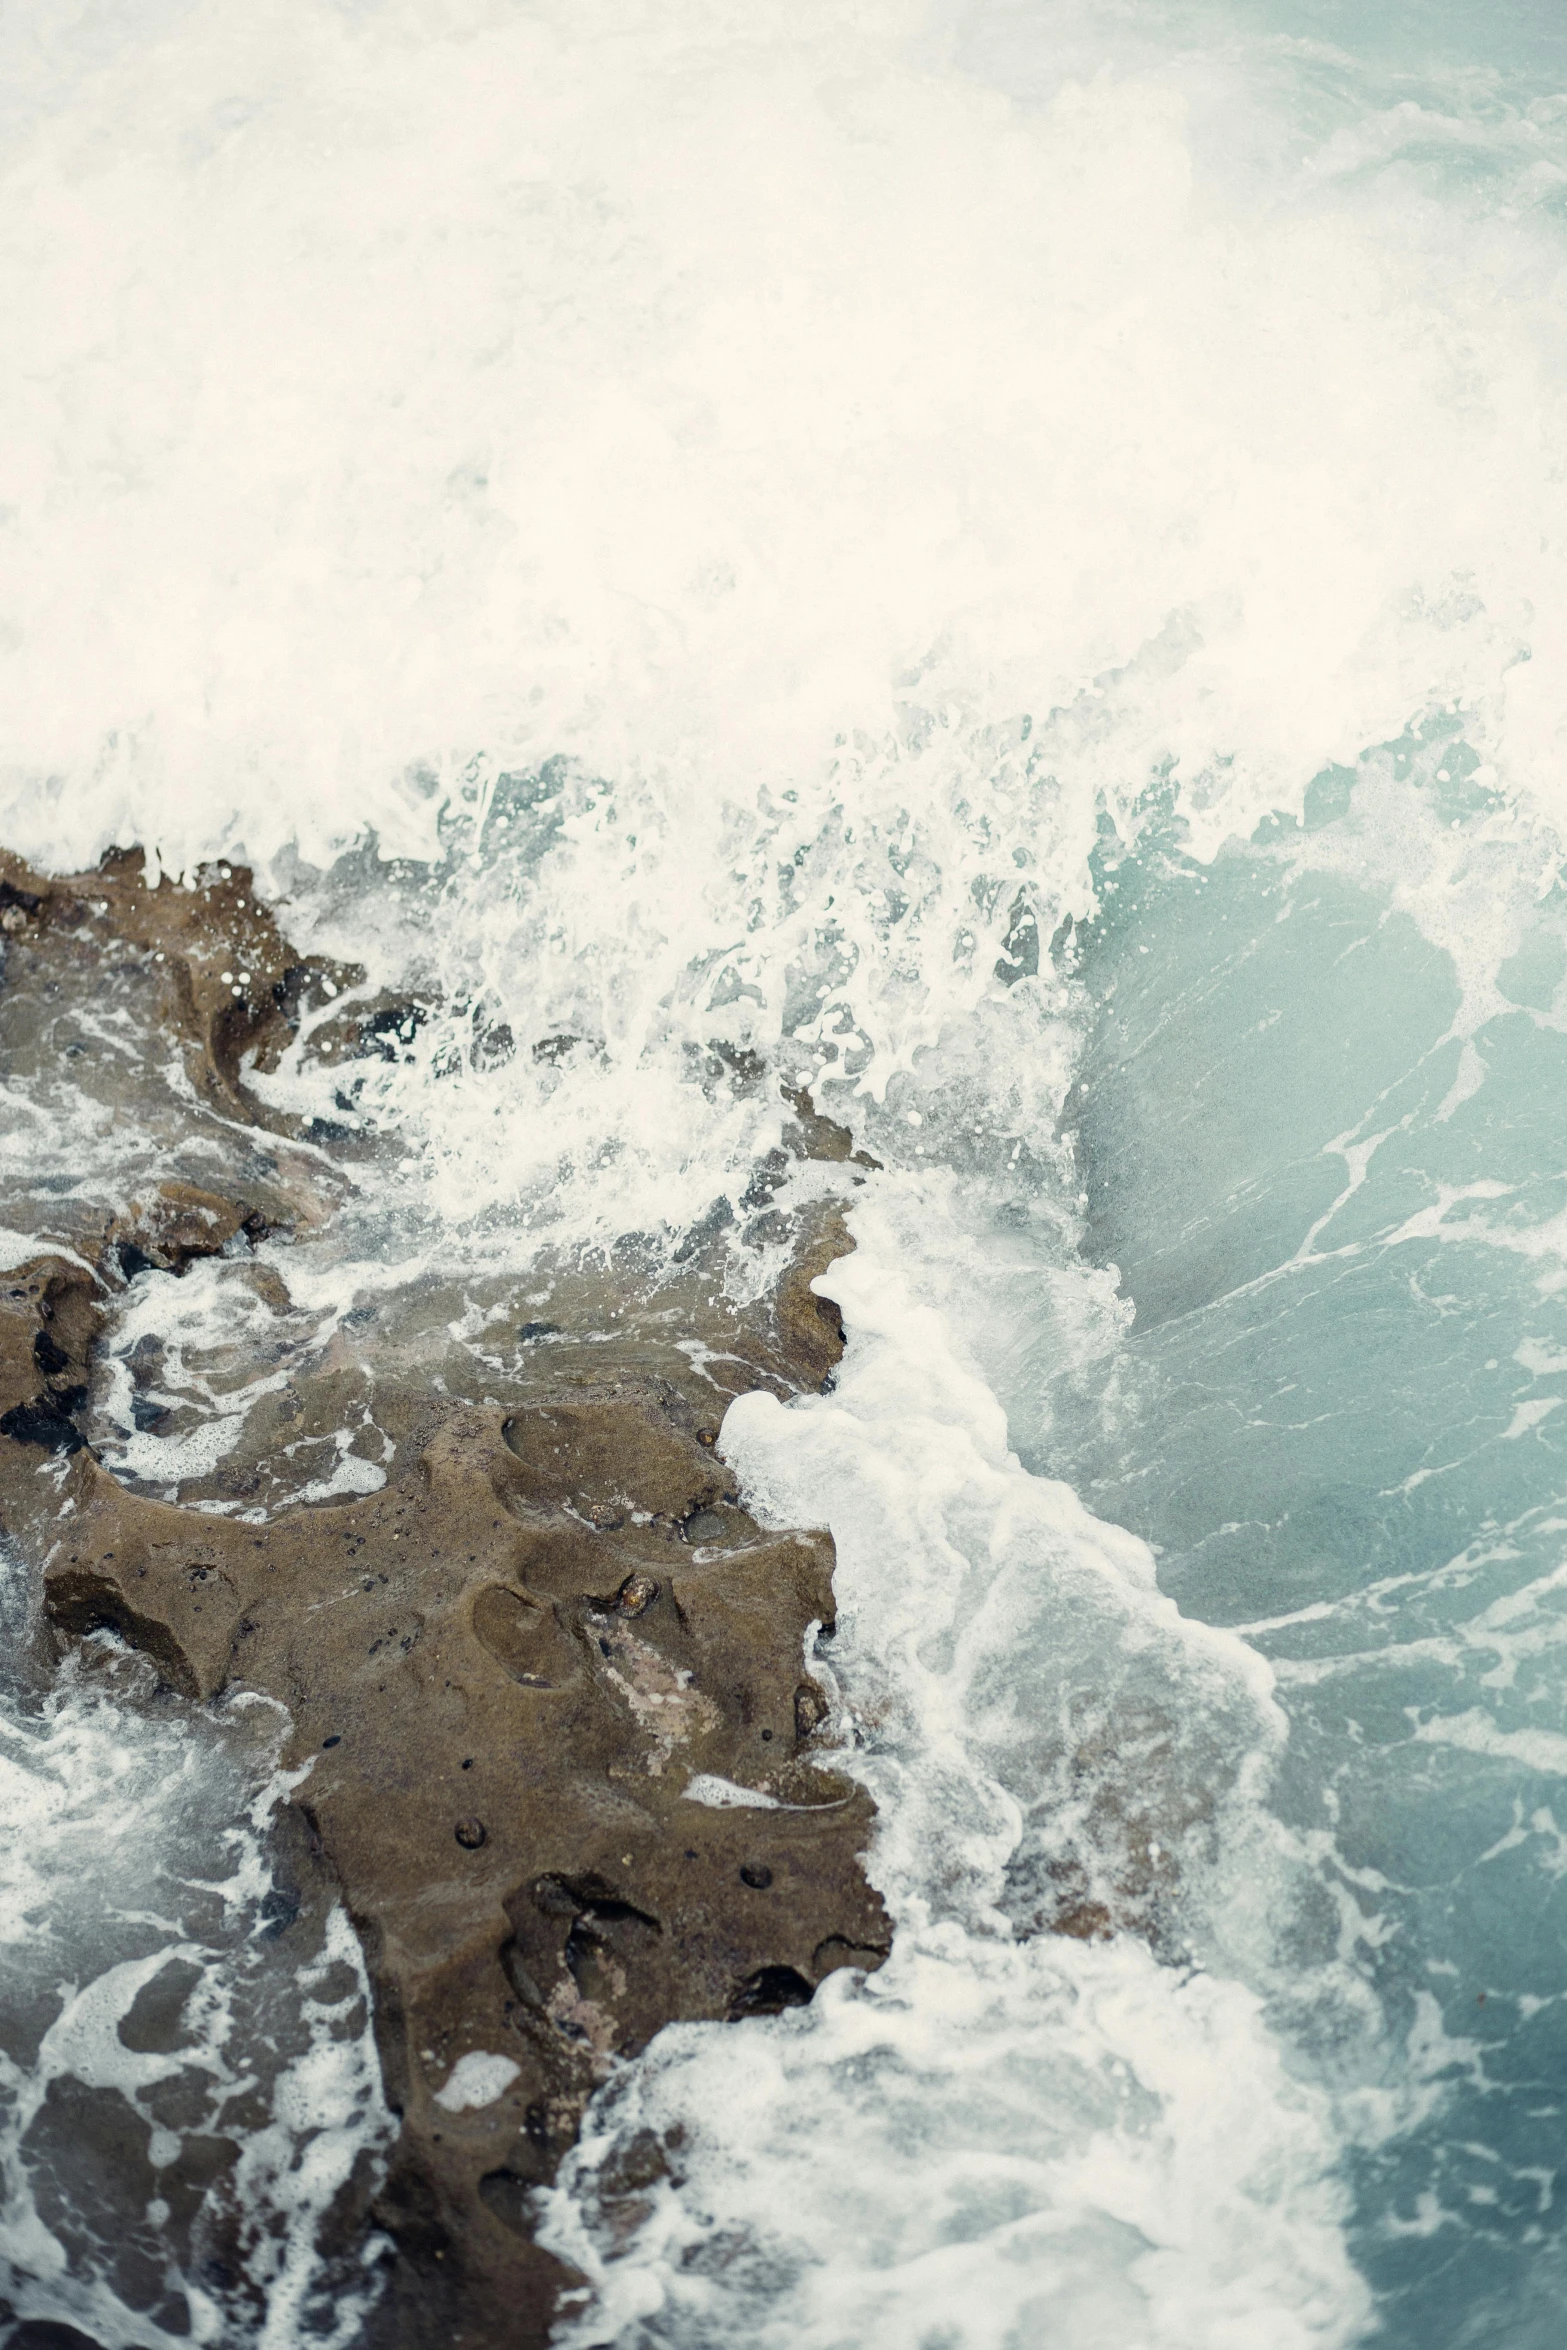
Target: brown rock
[
  {"x": 225, "y": 982},
  {"x": 178, "y": 1223},
  {"x": 505, "y": 1671}
]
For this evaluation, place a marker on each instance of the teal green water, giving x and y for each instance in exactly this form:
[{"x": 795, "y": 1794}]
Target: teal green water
[{"x": 1338, "y": 1415}]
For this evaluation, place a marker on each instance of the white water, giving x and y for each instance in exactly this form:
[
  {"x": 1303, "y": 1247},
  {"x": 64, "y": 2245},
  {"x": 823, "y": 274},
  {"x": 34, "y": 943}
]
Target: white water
[
  {"x": 134, "y": 1870},
  {"x": 735, "y": 500},
  {"x": 992, "y": 2142}
]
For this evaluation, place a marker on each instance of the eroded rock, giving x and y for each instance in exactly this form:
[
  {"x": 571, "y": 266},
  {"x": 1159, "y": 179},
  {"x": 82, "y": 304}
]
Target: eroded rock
[
  {"x": 558, "y": 1744},
  {"x": 216, "y": 978}
]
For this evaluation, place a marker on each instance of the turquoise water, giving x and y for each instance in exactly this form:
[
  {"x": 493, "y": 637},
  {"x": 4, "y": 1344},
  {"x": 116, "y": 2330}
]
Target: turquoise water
[{"x": 1338, "y": 1418}]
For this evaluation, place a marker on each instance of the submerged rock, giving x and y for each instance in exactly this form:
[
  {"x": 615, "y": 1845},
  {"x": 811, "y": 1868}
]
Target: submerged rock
[{"x": 552, "y": 1736}]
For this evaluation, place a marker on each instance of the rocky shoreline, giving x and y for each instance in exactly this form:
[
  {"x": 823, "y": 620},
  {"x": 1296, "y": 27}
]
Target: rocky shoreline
[{"x": 554, "y": 1740}]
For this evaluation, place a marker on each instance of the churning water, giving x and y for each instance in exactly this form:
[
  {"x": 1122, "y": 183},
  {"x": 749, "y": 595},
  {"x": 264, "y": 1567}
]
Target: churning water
[{"x": 1009, "y": 558}]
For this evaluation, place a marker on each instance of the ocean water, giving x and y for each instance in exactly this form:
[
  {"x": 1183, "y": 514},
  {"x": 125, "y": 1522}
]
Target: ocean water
[{"x": 1009, "y": 560}]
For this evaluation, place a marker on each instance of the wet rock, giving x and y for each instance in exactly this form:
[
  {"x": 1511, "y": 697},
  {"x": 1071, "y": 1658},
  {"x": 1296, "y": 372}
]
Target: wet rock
[
  {"x": 177, "y": 1223},
  {"x": 229, "y": 988},
  {"x": 817, "y": 1137},
  {"x": 37, "y": 2333},
  {"x": 510, "y": 1672},
  {"x": 636, "y": 1594},
  {"x": 472, "y": 1631},
  {"x": 41, "y": 1422},
  {"x": 810, "y": 1709},
  {"x": 811, "y": 1327}
]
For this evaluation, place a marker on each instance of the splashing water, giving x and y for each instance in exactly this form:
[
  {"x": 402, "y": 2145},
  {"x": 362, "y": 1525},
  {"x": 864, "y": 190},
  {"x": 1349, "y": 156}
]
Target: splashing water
[
  {"x": 1004, "y": 565},
  {"x": 170, "y": 2019}
]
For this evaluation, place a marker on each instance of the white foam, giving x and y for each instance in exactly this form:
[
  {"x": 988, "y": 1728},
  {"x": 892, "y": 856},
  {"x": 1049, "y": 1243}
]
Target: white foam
[
  {"x": 723, "y": 1795},
  {"x": 194, "y": 1348},
  {"x": 1476, "y": 1733},
  {"x": 476, "y": 2079},
  {"x": 993, "y": 2136},
  {"x": 17, "y": 1247},
  {"x": 132, "y": 1846},
  {"x": 694, "y": 399},
  {"x": 1036, "y": 2143}
]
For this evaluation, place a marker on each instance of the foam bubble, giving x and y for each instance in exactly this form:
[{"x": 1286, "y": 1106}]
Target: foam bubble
[{"x": 476, "y": 2079}]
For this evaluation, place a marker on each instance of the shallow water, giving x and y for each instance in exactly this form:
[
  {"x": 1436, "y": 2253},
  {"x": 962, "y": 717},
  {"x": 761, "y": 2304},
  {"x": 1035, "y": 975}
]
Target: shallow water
[{"x": 1007, "y": 562}]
